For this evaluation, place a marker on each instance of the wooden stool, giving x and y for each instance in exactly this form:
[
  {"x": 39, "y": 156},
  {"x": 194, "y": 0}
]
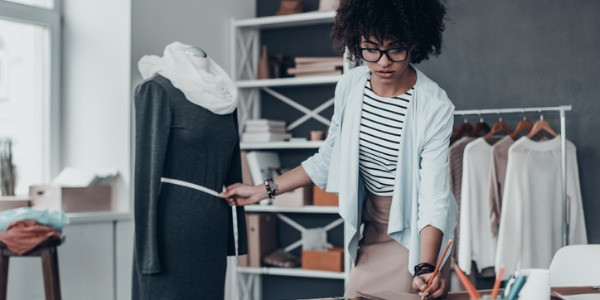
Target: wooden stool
[{"x": 47, "y": 251}]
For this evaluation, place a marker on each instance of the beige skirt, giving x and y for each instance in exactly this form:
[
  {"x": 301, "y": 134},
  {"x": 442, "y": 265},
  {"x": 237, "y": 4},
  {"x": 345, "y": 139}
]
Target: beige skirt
[{"x": 381, "y": 263}]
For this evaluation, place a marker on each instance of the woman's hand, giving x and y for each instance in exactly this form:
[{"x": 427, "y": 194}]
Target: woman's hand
[
  {"x": 436, "y": 290},
  {"x": 244, "y": 194}
]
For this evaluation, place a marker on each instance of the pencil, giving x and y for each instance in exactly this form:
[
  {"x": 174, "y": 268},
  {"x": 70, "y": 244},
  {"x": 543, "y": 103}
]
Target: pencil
[
  {"x": 497, "y": 283},
  {"x": 437, "y": 267},
  {"x": 467, "y": 284}
]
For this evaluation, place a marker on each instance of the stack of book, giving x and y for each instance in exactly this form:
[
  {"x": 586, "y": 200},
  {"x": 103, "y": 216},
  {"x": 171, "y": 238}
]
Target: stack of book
[
  {"x": 317, "y": 66},
  {"x": 263, "y": 130}
]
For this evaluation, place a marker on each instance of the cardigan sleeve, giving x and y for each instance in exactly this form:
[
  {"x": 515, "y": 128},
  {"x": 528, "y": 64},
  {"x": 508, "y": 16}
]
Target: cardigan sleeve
[
  {"x": 234, "y": 175},
  {"x": 317, "y": 166},
  {"x": 152, "y": 128},
  {"x": 434, "y": 187}
]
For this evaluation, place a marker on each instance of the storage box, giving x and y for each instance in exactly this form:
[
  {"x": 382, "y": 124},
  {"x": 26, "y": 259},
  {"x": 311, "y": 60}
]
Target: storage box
[
  {"x": 71, "y": 199},
  {"x": 262, "y": 237},
  {"x": 12, "y": 202},
  {"x": 299, "y": 197},
  {"x": 323, "y": 198},
  {"x": 329, "y": 260}
]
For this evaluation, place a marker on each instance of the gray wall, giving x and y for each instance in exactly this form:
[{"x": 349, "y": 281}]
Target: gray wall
[
  {"x": 499, "y": 54},
  {"x": 529, "y": 53},
  {"x": 156, "y": 23}
]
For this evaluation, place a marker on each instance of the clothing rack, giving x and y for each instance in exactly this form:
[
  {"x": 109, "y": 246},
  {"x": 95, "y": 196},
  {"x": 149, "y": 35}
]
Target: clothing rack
[{"x": 563, "y": 143}]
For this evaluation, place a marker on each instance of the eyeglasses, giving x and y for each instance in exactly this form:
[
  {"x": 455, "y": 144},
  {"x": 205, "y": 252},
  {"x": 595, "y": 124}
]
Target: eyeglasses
[{"x": 374, "y": 54}]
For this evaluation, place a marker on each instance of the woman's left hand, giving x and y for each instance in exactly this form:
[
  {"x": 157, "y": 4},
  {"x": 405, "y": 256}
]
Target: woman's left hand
[{"x": 436, "y": 290}]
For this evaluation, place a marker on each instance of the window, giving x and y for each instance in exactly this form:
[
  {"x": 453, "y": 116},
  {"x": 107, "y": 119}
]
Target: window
[
  {"x": 40, "y": 3},
  {"x": 29, "y": 41}
]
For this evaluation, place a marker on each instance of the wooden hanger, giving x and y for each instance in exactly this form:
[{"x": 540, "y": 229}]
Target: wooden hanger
[
  {"x": 465, "y": 128},
  {"x": 481, "y": 127},
  {"x": 498, "y": 127},
  {"x": 540, "y": 125},
  {"x": 523, "y": 125}
]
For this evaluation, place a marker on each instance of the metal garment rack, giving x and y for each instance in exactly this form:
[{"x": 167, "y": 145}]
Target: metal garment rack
[{"x": 563, "y": 143}]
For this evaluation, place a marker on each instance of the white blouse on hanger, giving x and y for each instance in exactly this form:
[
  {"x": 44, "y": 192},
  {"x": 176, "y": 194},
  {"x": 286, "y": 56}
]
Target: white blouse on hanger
[
  {"x": 532, "y": 210},
  {"x": 476, "y": 240}
]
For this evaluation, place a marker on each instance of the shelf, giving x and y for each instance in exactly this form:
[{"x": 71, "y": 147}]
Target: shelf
[
  {"x": 292, "y": 81},
  {"x": 308, "y": 18},
  {"x": 311, "y": 209},
  {"x": 282, "y": 145},
  {"x": 98, "y": 217},
  {"x": 292, "y": 272}
]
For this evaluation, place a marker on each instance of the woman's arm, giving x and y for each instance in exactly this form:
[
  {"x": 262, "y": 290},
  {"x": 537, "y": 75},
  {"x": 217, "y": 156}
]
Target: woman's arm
[
  {"x": 315, "y": 169},
  {"x": 244, "y": 194},
  {"x": 434, "y": 199},
  {"x": 431, "y": 242}
]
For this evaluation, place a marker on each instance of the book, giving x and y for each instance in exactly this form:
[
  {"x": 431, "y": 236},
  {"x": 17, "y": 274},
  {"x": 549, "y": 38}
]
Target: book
[
  {"x": 262, "y": 164},
  {"x": 311, "y": 68},
  {"x": 253, "y": 122},
  {"x": 309, "y": 60},
  {"x": 319, "y": 74},
  {"x": 264, "y": 128},
  {"x": 253, "y": 137}
]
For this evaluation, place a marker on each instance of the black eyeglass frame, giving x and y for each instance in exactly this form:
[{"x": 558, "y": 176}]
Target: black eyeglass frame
[{"x": 381, "y": 52}]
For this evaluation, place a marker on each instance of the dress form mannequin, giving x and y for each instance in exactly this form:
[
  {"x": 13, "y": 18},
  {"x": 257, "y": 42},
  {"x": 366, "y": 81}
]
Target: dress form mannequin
[
  {"x": 198, "y": 58},
  {"x": 186, "y": 132}
]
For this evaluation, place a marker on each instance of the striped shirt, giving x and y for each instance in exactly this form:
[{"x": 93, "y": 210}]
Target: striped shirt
[{"x": 382, "y": 120}]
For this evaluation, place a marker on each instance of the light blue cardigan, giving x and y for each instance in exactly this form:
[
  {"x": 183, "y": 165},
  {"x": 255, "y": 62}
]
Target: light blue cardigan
[{"x": 422, "y": 194}]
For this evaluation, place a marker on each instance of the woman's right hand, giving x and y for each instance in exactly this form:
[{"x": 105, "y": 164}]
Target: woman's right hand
[{"x": 244, "y": 194}]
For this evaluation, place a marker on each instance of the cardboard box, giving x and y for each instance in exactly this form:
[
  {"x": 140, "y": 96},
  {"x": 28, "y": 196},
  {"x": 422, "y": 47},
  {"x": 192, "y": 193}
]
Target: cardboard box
[
  {"x": 262, "y": 237},
  {"x": 12, "y": 202},
  {"x": 323, "y": 198},
  {"x": 329, "y": 260},
  {"x": 299, "y": 197},
  {"x": 71, "y": 199}
]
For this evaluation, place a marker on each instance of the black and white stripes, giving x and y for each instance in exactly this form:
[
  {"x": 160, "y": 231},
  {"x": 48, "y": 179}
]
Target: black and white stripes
[{"x": 382, "y": 120}]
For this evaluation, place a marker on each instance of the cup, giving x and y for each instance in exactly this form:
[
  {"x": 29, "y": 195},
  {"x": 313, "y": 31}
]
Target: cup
[{"x": 537, "y": 285}]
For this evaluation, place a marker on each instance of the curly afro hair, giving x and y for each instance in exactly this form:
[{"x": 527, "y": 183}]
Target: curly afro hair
[{"x": 405, "y": 22}]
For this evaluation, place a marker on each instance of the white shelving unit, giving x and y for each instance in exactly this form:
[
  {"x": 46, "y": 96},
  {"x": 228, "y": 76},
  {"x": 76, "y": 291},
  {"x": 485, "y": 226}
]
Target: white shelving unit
[
  {"x": 302, "y": 81},
  {"x": 293, "y": 272},
  {"x": 304, "y": 19},
  {"x": 311, "y": 209},
  {"x": 245, "y": 41}
]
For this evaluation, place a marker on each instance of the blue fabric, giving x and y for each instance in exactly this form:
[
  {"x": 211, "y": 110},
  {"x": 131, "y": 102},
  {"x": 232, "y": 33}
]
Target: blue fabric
[{"x": 55, "y": 218}]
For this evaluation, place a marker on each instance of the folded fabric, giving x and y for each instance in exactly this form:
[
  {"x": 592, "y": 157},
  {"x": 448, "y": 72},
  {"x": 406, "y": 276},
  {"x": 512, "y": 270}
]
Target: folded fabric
[
  {"x": 23, "y": 236},
  {"x": 55, "y": 219}
]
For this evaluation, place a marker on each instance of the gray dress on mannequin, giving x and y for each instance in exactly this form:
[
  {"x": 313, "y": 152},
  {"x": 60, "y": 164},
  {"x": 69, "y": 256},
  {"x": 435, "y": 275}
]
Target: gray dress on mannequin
[{"x": 182, "y": 235}]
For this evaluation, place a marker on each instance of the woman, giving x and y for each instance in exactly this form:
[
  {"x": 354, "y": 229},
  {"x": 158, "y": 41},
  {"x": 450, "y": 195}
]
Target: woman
[{"x": 386, "y": 153}]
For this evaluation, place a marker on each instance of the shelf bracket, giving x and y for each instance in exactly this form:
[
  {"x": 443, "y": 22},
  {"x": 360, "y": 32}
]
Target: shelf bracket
[
  {"x": 312, "y": 238},
  {"x": 308, "y": 113}
]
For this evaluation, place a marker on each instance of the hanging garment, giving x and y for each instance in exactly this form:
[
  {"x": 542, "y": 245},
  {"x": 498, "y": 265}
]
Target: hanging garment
[
  {"x": 455, "y": 170},
  {"x": 476, "y": 241},
  {"x": 23, "y": 236},
  {"x": 532, "y": 208},
  {"x": 183, "y": 234},
  {"x": 497, "y": 176}
]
